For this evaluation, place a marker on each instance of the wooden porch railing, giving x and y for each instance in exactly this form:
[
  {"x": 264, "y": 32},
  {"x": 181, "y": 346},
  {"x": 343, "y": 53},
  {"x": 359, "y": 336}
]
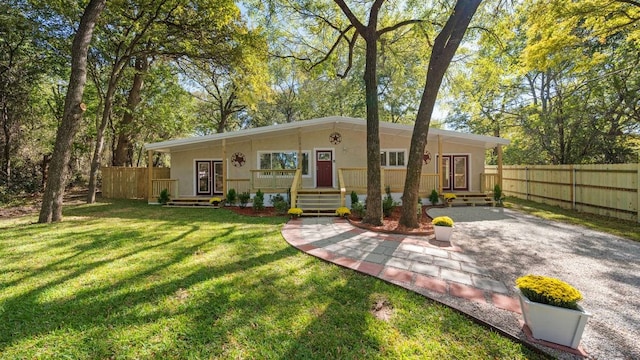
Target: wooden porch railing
[
  {"x": 428, "y": 182},
  {"x": 342, "y": 187},
  {"x": 488, "y": 182},
  {"x": 239, "y": 185},
  {"x": 295, "y": 185},
  {"x": 355, "y": 179},
  {"x": 272, "y": 180},
  {"x": 157, "y": 185},
  {"x": 395, "y": 178}
]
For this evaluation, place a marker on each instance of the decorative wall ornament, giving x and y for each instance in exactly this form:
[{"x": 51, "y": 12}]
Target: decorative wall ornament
[
  {"x": 238, "y": 159},
  {"x": 335, "y": 138},
  {"x": 426, "y": 157}
]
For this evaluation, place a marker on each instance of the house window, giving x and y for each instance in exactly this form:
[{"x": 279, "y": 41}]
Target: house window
[
  {"x": 283, "y": 160},
  {"x": 393, "y": 158}
]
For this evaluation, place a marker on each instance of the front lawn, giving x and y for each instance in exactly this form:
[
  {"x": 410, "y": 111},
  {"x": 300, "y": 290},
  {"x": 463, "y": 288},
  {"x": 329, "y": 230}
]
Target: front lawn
[{"x": 123, "y": 279}]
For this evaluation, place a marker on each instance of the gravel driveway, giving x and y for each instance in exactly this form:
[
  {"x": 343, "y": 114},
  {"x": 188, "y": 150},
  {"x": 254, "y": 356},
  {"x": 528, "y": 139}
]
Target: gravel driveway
[{"x": 604, "y": 267}]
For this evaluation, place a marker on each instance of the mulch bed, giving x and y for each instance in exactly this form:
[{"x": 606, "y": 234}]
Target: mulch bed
[{"x": 390, "y": 224}]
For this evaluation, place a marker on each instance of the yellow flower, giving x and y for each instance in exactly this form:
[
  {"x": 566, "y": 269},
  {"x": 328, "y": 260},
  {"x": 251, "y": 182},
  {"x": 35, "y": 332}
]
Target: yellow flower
[
  {"x": 343, "y": 211},
  {"x": 442, "y": 221},
  {"x": 548, "y": 290},
  {"x": 295, "y": 211}
]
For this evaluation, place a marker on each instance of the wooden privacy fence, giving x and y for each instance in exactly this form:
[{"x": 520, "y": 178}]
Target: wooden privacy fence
[
  {"x": 128, "y": 182},
  {"x": 603, "y": 189}
]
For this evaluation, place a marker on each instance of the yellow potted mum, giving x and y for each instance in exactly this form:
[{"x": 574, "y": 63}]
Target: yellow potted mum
[
  {"x": 215, "y": 201},
  {"x": 449, "y": 196},
  {"x": 443, "y": 227},
  {"x": 550, "y": 309},
  {"x": 343, "y": 212},
  {"x": 295, "y": 213}
]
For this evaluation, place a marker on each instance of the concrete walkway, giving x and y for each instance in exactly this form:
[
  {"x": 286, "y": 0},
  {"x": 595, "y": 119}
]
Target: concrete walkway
[{"x": 418, "y": 263}]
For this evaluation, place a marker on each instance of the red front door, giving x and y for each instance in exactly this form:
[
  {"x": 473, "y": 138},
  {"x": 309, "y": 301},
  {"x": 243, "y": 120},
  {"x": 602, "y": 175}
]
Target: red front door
[{"x": 324, "y": 168}]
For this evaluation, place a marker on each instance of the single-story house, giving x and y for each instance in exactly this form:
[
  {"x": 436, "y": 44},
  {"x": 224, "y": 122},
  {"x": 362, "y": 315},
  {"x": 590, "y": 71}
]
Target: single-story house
[{"x": 325, "y": 156}]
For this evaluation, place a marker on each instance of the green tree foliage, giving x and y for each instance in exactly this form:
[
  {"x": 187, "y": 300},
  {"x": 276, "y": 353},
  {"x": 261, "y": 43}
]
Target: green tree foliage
[
  {"x": 139, "y": 31},
  {"x": 225, "y": 92},
  {"x": 557, "y": 78},
  {"x": 23, "y": 65},
  {"x": 332, "y": 37},
  {"x": 166, "y": 111}
]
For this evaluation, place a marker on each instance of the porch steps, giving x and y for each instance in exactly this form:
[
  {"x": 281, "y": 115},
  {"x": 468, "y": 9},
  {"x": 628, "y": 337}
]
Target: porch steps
[
  {"x": 190, "y": 202},
  {"x": 318, "y": 202},
  {"x": 471, "y": 199}
]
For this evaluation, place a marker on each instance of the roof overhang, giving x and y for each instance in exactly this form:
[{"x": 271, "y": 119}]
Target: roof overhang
[{"x": 313, "y": 125}]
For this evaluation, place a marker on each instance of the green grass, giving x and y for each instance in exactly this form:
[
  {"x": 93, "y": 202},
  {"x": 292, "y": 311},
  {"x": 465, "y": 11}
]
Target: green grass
[
  {"x": 123, "y": 280},
  {"x": 626, "y": 229}
]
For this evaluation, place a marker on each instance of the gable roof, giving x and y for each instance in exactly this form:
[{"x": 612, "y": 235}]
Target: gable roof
[{"x": 331, "y": 122}]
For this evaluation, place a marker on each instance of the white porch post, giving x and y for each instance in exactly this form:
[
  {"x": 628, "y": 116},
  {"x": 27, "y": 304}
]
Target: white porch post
[
  {"x": 299, "y": 148},
  {"x": 638, "y": 192},
  {"x": 500, "y": 166},
  {"x": 440, "y": 173},
  {"x": 224, "y": 167},
  {"x": 149, "y": 175}
]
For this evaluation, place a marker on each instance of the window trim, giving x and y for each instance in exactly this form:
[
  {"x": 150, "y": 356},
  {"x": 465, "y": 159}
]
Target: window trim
[
  {"x": 385, "y": 153},
  {"x": 303, "y": 152}
]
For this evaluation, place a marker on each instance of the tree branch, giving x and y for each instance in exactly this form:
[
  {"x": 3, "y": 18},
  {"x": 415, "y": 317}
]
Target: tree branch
[
  {"x": 630, "y": 2},
  {"x": 398, "y": 25},
  {"x": 335, "y": 46},
  {"x": 352, "y": 44},
  {"x": 352, "y": 18}
]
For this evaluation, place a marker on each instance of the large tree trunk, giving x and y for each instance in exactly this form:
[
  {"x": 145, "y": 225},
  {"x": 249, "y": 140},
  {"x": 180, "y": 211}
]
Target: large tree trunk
[
  {"x": 97, "y": 151},
  {"x": 114, "y": 79},
  {"x": 44, "y": 168},
  {"x": 222, "y": 124},
  {"x": 73, "y": 109},
  {"x": 444, "y": 48},
  {"x": 6, "y": 147},
  {"x": 369, "y": 33},
  {"x": 122, "y": 155},
  {"x": 226, "y": 107},
  {"x": 373, "y": 214}
]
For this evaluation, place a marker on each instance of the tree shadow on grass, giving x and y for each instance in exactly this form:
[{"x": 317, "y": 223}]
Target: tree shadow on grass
[
  {"x": 74, "y": 260},
  {"x": 209, "y": 289},
  {"x": 139, "y": 209},
  {"x": 104, "y": 306}
]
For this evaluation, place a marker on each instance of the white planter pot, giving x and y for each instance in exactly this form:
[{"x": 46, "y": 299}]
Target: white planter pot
[
  {"x": 555, "y": 324},
  {"x": 443, "y": 233}
]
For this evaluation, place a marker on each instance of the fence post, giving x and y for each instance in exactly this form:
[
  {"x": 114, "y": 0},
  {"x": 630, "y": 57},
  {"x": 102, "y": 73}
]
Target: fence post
[
  {"x": 573, "y": 188},
  {"x": 526, "y": 181}
]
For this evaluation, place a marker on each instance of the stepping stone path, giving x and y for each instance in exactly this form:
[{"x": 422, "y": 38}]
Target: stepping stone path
[{"x": 406, "y": 260}]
